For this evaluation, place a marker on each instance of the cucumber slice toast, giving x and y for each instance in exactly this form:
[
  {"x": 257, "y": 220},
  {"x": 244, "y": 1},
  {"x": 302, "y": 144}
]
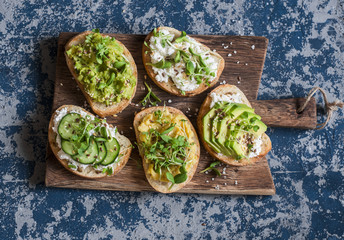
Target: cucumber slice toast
[{"x": 86, "y": 145}]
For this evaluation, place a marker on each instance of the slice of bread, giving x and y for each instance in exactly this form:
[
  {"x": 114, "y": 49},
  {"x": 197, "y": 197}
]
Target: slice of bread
[
  {"x": 89, "y": 171},
  {"x": 229, "y": 90},
  {"x": 170, "y": 86},
  {"x": 161, "y": 186},
  {"x": 100, "y": 108}
]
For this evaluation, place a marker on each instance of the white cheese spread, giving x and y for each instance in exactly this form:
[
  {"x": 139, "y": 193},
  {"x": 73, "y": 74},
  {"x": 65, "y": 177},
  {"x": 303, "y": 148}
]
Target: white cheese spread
[
  {"x": 231, "y": 98},
  {"x": 62, "y": 155},
  {"x": 163, "y": 48},
  {"x": 257, "y": 147}
]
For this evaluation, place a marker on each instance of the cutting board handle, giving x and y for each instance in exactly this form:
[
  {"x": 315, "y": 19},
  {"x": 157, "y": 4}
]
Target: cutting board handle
[{"x": 283, "y": 112}]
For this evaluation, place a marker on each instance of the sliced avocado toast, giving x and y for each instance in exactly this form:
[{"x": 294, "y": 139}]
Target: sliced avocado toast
[
  {"x": 231, "y": 131},
  {"x": 86, "y": 145}
]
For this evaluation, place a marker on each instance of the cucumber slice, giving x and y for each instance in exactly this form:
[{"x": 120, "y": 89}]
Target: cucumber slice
[
  {"x": 68, "y": 147},
  {"x": 90, "y": 155},
  {"x": 112, "y": 148},
  {"x": 102, "y": 151},
  {"x": 69, "y": 126}
]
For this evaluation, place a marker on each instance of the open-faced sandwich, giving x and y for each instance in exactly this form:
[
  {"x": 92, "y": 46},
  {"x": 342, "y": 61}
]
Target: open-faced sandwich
[
  {"x": 104, "y": 70},
  {"x": 85, "y": 145},
  {"x": 230, "y": 130},
  {"x": 169, "y": 147},
  {"x": 179, "y": 64}
]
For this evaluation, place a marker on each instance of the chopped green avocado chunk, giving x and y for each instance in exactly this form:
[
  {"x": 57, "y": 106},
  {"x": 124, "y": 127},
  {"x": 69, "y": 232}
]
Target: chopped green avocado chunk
[{"x": 102, "y": 69}]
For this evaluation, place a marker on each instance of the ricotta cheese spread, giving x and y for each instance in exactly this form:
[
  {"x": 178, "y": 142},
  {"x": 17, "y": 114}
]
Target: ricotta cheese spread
[
  {"x": 62, "y": 155},
  {"x": 231, "y": 98},
  {"x": 164, "y": 49}
]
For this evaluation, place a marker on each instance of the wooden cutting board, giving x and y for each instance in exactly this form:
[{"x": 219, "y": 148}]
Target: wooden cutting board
[{"x": 244, "y": 57}]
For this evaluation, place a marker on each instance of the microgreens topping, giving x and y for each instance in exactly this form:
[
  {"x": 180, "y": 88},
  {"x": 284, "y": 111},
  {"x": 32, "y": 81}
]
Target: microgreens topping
[
  {"x": 147, "y": 98},
  {"x": 108, "y": 170},
  {"x": 212, "y": 168},
  {"x": 166, "y": 152},
  {"x": 194, "y": 61}
]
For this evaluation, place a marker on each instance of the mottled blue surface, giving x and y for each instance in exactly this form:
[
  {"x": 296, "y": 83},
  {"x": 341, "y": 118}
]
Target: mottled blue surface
[{"x": 306, "y": 48}]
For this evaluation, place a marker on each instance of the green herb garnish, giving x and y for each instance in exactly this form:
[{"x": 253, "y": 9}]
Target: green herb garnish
[
  {"x": 182, "y": 38},
  {"x": 147, "y": 98},
  {"x": 212, "y": 168},
  {"x": 72, "y": 166},
  {"x": 165, "y": 151}
]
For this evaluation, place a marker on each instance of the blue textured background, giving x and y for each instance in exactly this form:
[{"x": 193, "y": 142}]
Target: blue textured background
[{"x": 306, "y": 48}]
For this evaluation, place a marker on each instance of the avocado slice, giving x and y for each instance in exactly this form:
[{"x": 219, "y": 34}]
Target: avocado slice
[
  {"x": 261, "y": 128},
  {"x": 234, "y": 145},
  {"x": 240, "y": 109},
  {"x": 222, "y": 127},
  {"x": 216, "y": 134},
  {"x": 207, "y": 120},
  {"x": 258, "y": 127}
]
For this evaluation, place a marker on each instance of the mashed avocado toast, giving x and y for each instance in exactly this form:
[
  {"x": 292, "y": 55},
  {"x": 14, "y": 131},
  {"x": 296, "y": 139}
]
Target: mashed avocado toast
[{"x": 104, "y": 70}]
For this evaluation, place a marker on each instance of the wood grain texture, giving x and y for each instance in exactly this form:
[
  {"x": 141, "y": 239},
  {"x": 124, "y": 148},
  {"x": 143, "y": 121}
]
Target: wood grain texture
[
  {"x": 255, "y": 179},
  {"x": 282, "y": 113}
]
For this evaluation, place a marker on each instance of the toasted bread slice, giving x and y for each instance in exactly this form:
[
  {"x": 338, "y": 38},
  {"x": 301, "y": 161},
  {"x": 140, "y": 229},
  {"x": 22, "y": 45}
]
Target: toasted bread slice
[
  {"x": 88, "y": 171},
  {"x": 100, "y": 108},
  {"x": 170, "y": 85},
  {"x": 161, "y": 186},
  {"x": 229, "y": 90}
]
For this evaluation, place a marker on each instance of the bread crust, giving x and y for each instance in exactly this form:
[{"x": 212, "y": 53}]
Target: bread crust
[
  {"x": 223, "y": 89},
  {"x": 100, "y": 108},
  {"x": 170, "y": 86},
  {"x": 159, "y": 186},
  {"x": 88, "y": 172}
]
